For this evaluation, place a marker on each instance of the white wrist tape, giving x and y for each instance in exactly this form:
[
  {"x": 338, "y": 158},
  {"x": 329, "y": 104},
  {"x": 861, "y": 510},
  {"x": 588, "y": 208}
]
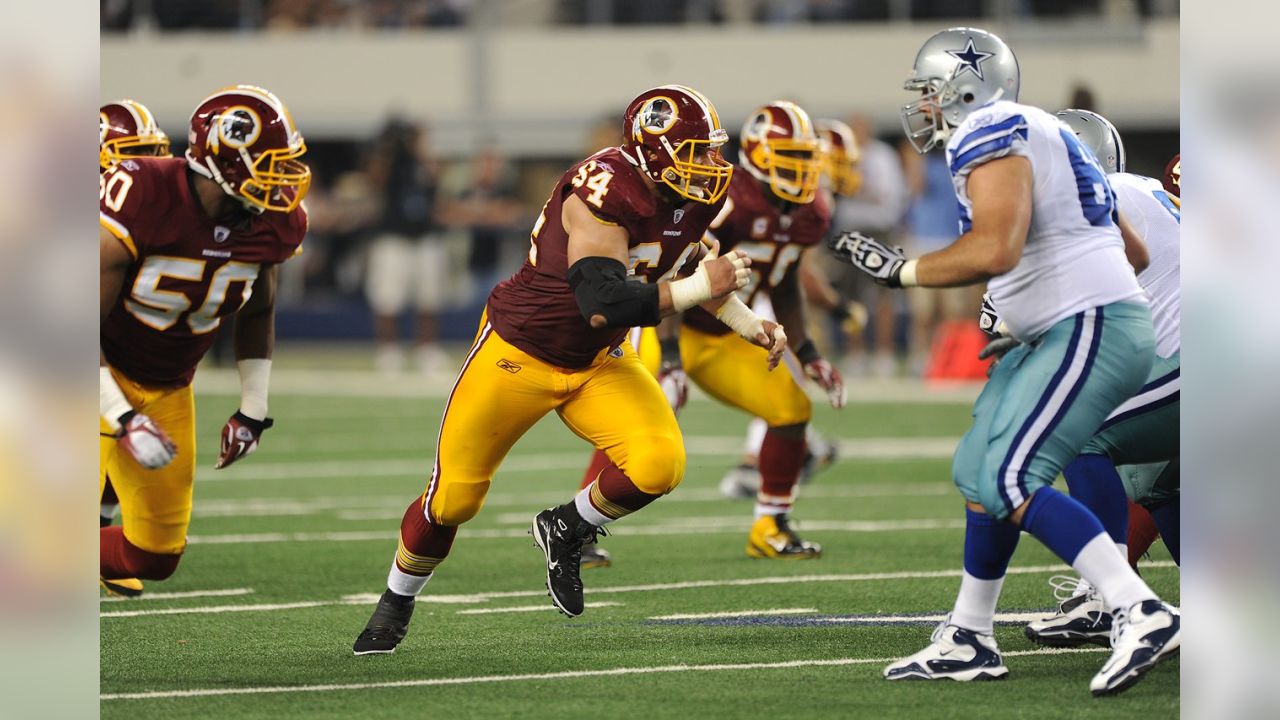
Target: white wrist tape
[
  {"x": 255, "y": 374},
  {"x": 690, "y": 291},
  {"x": 738, "y": 316},
  {"x": 111, "y": 400},
  {"x": 908, "y": 274}
]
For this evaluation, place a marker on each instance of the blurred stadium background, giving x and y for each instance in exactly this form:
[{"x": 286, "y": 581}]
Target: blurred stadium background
[{"x": 436, "y": 127}]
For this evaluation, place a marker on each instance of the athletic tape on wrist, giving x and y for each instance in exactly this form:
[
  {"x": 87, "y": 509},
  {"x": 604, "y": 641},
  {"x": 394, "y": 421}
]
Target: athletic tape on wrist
[
  {"x": 255, "y": 375},
  {"x": 111, "y": 400}
]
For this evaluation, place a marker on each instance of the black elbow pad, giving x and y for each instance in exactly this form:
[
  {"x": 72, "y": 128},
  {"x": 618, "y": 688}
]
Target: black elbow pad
[{"x": 601, "y": 287}]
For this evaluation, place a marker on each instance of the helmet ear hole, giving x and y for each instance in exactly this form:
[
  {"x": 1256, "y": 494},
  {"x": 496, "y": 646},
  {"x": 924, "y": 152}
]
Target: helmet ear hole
[{"x": 967, "y": 98}]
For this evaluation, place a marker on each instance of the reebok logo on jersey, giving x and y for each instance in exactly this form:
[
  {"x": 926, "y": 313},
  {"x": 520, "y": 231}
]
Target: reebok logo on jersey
[{"x": 509, "y": 366}]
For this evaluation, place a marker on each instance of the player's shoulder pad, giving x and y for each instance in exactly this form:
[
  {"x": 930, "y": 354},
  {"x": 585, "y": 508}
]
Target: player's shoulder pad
[
  {"x": 611, "y": 188},
  {"x": 990, "y": 132},
  {"x": 133, "y": 195}
]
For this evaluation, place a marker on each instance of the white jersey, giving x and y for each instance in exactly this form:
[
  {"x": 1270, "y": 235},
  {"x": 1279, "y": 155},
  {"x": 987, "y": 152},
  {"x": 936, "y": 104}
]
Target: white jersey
[
  {"x": 1074, "y": 257},
  {"x": 1157, "y": 219}
]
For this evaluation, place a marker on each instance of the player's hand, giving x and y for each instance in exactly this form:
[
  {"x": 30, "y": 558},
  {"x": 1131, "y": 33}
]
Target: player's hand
[
  {"x": 675, "y": 385},
  {"x": 997, "y": 348},
  {"x": 828, "y": 378},
  {"x": 240, "y": 437},
  {"x": 989, "y": 320},
  {"x": 727, "y": 273},
  {"x": 881, "y": 262},
  {"x": 853, "y": 318},
  {"x": 772, "y": 338},
  {"x": 144, "y": 441}
]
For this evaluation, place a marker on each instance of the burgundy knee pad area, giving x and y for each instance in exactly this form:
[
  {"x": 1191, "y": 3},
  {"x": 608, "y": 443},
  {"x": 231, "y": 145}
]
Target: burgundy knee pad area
[{"x": 120, "y": 558}]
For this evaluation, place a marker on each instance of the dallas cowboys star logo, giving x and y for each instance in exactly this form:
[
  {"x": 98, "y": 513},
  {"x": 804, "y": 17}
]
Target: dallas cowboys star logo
[{"x": 970, "y": 59}]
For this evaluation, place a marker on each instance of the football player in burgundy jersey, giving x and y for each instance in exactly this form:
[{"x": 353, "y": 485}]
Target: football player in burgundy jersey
[
  {"x": 773, "y": 214},
  {"x": 185, "y": 242},
  {"x": 126, "y": 128},
  {"x": 607, "y": 253},
  {"x": 841, "y": 177}
]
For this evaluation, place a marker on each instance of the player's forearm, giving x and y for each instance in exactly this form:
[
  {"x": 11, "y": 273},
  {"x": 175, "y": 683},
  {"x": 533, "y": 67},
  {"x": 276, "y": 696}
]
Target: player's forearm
[
  {"x": 669, "y": 328},
  {"x": 255, "y": 335},
  {"x": 815, "y": 285},
  {"x": 788, "y": 308},
  {"x": 970, "y": 260}
]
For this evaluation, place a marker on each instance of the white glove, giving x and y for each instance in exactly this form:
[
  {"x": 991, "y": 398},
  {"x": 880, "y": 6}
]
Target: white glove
[{"x": 145, "y": 442}]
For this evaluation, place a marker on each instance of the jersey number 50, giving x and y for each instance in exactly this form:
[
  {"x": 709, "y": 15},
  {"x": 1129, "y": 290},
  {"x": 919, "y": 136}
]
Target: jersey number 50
[{"x": 162, "y": 309}]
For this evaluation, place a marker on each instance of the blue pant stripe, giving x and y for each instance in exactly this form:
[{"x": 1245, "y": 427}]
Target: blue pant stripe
[{"x": 1067, "y": 403}]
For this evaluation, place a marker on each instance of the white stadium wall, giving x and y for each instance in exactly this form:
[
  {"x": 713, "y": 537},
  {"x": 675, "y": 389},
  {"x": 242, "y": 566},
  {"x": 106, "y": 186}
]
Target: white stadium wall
[{"x": 537, "y": 91}]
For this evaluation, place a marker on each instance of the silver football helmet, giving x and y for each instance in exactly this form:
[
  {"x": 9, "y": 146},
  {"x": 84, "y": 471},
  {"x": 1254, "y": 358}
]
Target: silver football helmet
[
  {"x": 957, "y": 71},
  {"x": 1099, "y": 135}
]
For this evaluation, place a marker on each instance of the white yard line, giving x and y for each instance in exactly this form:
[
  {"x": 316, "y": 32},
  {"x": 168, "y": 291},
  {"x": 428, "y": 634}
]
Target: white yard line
[
  {"x": 374, "y": 386},
  {"x": 890, "y": 448},
  {"x": 737, "y": 614},
  {"x": 230, "y": 592},
  {"x": 370, "y": 598},
  {"x": 391, "y": 507},
  {"x": 215, "y": 609},
  {"x": 529, "y": 608},
  {"x": 736, "y": 524},
  {"x": 567, "y": 675}
]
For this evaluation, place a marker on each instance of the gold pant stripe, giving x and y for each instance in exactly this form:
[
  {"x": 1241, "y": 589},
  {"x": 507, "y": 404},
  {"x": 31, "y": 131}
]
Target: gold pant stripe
[{"x": 604, "y": 505}]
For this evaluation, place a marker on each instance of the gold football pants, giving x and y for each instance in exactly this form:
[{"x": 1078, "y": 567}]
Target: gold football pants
[
  {"x": 733, "y": 371},
  {"x": 501, "y": 391},
  {"x": 155, "y": 505}
]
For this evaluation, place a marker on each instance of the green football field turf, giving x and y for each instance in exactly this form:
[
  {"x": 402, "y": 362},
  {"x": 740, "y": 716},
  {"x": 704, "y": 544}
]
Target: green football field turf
[{"x": 289, "y": 547}]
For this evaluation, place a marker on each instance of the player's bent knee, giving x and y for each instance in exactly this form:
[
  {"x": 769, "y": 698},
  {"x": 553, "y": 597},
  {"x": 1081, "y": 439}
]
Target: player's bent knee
[
  {"x": 796, "y": 411},
  {"x": 458, "y": 503},
  {"x": 656, "y": 464},
  {"x": 146, "y": 565}
]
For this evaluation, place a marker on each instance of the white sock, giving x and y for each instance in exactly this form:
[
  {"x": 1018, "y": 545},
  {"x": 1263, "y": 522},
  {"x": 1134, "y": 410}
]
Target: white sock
[
  {"x": 402, "y": 583},
  {"x": 108, "y": 511},
  {"x": 582, "y": 501},
  {"x": 1108, "y": 571},
  {"x": 976, "y": 603},
  {"x": 755, "y": 436}
]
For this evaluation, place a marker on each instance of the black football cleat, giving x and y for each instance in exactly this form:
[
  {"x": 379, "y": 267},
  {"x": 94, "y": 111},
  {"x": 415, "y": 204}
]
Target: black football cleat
[
  {"x": 560, "y": 532},
  {"x": 387, "y": 627}
]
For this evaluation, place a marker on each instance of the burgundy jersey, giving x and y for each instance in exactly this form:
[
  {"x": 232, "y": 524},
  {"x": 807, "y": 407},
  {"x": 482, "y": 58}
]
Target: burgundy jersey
[
  {"x": 535, "y": 309},
  {"x": 188, "y": 273},
  {"x": 773, "y": 238}
]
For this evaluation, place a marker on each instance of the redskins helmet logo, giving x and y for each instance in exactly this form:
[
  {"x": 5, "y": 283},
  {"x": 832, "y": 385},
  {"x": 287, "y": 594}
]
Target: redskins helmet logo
[
  {"x": 656, "y": 117},
  {"x": 238, "y": 127}
]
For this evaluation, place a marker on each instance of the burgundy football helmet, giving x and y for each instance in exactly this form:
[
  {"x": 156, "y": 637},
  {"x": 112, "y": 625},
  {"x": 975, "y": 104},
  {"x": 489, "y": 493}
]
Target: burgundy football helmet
[
  {"x": 1173, "y": 176},
  {"x": 244, "y": 139},
  {"x": 126, "y": 128},
  {"x": 673, "y": 135},
  {"x": 780, "y": 148}
]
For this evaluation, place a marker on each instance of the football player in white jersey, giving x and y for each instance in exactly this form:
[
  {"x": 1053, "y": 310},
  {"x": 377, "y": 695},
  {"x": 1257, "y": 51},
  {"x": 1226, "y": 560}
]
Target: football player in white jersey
[
  {"x": 1039, "y": 225},
  {"x": 1141, "y": 435}
]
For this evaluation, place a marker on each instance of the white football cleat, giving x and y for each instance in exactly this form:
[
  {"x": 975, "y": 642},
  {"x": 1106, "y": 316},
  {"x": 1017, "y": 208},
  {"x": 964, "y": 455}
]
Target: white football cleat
[
  {"x": 1081, "y": 618},
  {"x": 956, "y": 653},
  {"x": 1141, "y": 637},
  {"x": 741, "y": 482}
]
